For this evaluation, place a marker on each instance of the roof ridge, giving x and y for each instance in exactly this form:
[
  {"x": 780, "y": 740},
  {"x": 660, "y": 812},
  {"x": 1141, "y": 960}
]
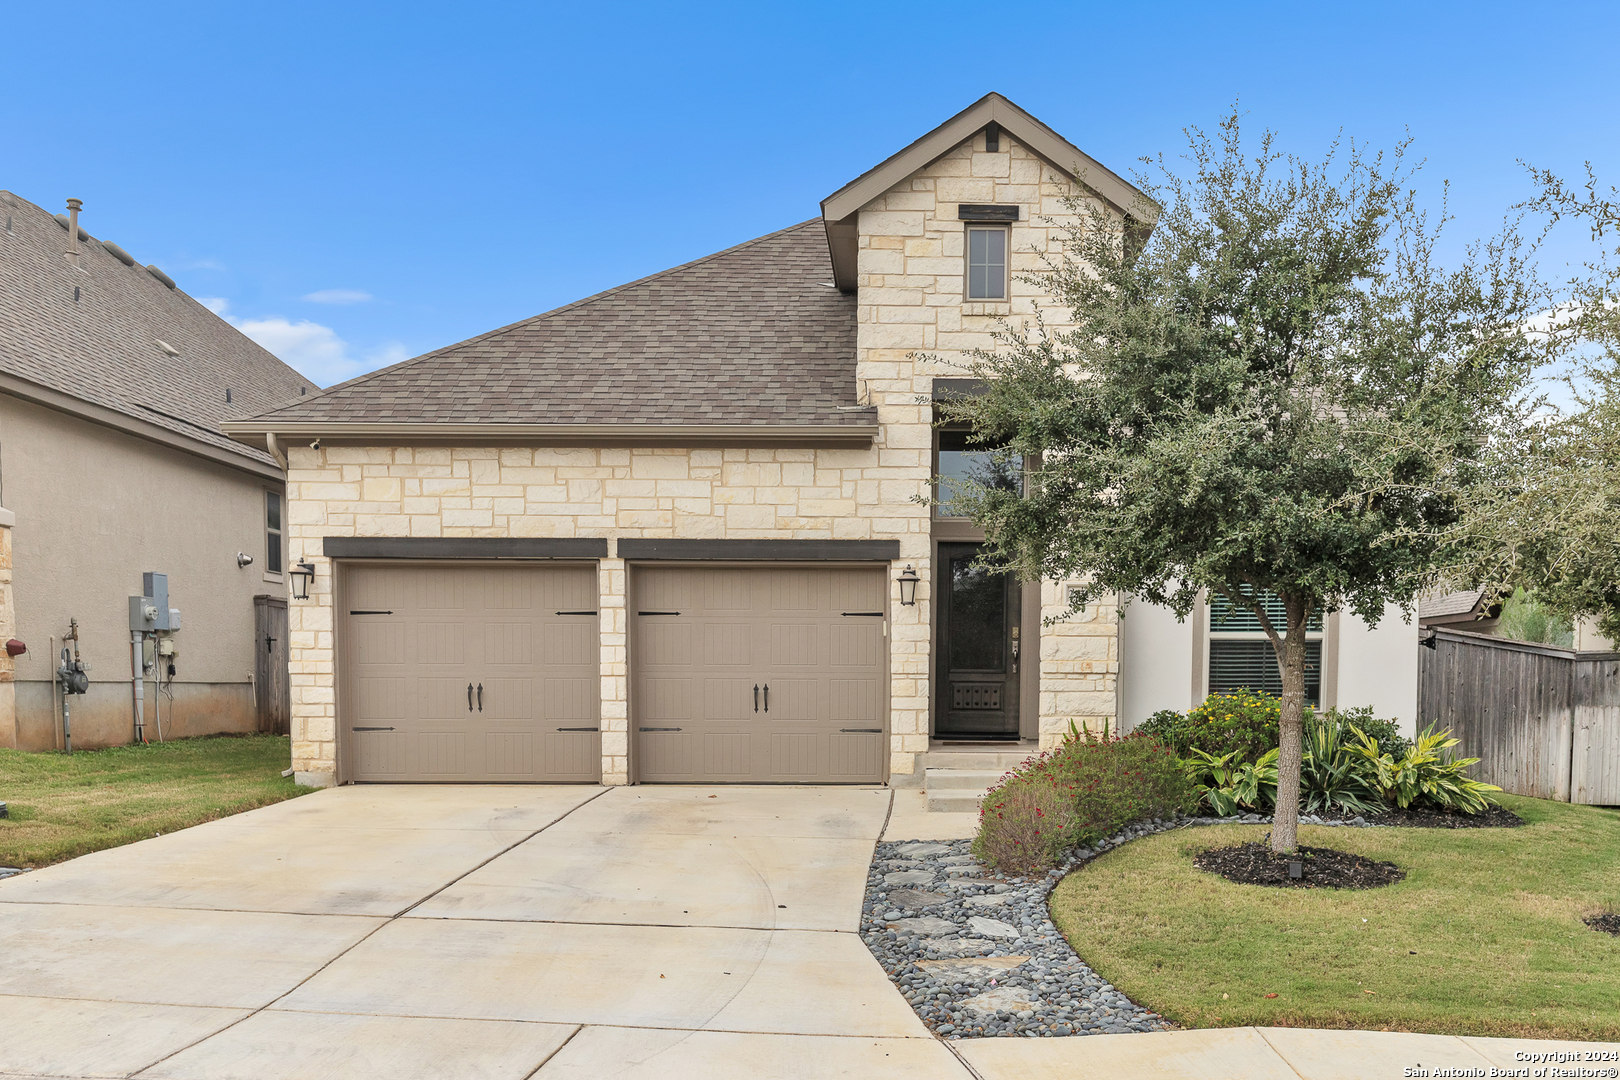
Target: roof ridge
[{"x": 571, "y": 305}]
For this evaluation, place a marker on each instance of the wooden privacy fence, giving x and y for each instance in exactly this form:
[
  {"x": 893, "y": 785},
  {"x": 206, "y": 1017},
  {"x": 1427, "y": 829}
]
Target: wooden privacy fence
[{"x": 1543, "y": 721}]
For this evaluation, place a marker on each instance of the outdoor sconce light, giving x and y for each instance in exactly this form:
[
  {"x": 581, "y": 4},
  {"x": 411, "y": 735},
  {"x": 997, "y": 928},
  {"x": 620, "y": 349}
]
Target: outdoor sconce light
[
  {"x": 908, "y": 586},
  {"x": 302, "y": 574}
]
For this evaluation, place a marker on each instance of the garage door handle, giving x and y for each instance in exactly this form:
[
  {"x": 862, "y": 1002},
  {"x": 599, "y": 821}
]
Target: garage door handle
[
  {"x": 657, "y": 613},
  {"x": 371, "y": 613},
  {"x": 660, "y": 729},
  {"x": 862, "y": 614},
  {"x": 577, "y": 613},
  {"x": 469, "y": 697},
  {"x": 480, "y": 697},
  {"x": 756, "y": 697},
  {"x": 862, "y": 730},
  {"x": 371, "y": 729},
  {"x": 767, "y": 697},
  {"x": 579, "y": 728}
]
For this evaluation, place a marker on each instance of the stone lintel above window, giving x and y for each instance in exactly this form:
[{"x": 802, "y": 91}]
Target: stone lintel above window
[{"x": 985, "y": 212}]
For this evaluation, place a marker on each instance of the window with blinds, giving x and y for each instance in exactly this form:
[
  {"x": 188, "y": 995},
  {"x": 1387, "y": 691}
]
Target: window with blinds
[{"x": 1241, "y": 656}]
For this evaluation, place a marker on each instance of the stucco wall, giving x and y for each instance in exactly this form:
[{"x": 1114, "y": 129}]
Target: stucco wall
[
  {"x": 95, "y": 509},
  {"x": 1378, "y": 666}
]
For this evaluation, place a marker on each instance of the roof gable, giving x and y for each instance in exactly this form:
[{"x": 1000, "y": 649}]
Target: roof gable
[{"x": 839, "y": 210}]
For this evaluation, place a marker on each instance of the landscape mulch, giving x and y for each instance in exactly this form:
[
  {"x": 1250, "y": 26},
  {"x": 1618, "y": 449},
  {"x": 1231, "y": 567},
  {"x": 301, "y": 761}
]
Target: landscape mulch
[
  {"x": 1324, "y": 868},
  {"x": 1414, "y": 818},
  {"x": 1608, "y": 923}
]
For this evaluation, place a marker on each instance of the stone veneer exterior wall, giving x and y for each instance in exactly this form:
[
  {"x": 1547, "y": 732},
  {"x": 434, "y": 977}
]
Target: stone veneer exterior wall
[{"x": 910, "y": 301}]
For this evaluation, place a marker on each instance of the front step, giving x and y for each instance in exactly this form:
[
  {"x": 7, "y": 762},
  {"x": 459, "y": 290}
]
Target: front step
[{"x": 956, "y": 780}]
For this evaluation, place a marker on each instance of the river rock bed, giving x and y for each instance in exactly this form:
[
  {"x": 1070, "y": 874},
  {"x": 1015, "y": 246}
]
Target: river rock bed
[{"x": 975, "y": 952}]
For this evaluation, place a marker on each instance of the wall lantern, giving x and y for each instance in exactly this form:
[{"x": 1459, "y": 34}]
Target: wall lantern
[
  {"x": 908, "y": 586},
  {"x": 302, "y": 574}
]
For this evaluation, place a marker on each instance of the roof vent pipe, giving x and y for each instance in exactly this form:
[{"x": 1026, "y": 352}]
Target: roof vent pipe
[{"x": 72, "y": 253}]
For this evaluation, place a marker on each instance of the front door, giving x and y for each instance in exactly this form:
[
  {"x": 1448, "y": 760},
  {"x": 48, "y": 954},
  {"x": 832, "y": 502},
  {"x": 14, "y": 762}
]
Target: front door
[{"x": 976, "y": 694}]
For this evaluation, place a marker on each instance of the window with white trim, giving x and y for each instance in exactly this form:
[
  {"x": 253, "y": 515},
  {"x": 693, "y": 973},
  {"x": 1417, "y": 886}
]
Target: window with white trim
[
  {"x": 272, "y": 532},
  {"x": 1241, "y": 656}
]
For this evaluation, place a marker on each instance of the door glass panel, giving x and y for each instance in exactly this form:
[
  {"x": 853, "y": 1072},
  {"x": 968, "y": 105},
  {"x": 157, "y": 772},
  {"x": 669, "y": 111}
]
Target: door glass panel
[{"x": 977, "y": 617}]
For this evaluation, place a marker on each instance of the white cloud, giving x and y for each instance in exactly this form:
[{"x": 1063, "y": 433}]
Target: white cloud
[
  {"x": 337, "y": 296},
  {"x": 314, "y": 350}
]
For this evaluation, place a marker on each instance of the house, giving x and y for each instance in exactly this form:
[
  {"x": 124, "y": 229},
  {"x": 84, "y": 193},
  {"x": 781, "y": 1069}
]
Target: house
[
  {"x": 113, "y": 384},
  {"x": 676, "y": 531}
]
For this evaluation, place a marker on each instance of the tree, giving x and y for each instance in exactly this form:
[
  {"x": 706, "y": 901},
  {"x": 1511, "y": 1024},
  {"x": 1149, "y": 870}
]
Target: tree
[
  {"x": 1552, "y": 526},
  {"x": 1279, "y": 391}
]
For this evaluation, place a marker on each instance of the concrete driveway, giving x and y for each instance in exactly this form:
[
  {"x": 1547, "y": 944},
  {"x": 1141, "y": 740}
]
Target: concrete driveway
[
  {"x": 500, "y": 932},
  {"x": 487, "y": 933}
]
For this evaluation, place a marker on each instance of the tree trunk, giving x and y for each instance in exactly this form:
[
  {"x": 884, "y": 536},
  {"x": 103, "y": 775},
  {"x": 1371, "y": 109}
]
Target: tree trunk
[{"x": 1285, "y": 826}]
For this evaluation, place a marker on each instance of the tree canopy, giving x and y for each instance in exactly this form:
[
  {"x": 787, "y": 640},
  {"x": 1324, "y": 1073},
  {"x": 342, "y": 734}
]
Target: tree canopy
[{"x": 1280, "y": 390}]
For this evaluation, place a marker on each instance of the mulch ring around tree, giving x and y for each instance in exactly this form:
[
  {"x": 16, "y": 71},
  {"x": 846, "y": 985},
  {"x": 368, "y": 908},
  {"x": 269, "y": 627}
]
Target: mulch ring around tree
[
  {"x": 1322, "y": 868},
  {"x": 1606, "y": 923},
  {"x": 1424, "y": 818}
]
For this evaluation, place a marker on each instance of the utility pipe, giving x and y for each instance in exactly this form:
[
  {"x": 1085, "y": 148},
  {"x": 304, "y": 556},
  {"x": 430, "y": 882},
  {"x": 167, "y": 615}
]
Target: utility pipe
[
  {"x": 138, "y": 679},
  {"x": 54, "y": 680}
]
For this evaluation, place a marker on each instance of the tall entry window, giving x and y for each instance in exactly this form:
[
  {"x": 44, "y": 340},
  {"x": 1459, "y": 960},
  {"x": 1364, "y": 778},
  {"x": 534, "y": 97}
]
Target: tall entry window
[
  {"x": 962, "y": 464},
  {"x": 1241, "y": 656},
  {"x": 987, "y": 264}
]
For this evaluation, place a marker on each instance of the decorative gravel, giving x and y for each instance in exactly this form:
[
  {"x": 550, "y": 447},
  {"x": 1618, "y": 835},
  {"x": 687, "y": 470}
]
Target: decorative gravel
[{"x": 975, "y": 951}]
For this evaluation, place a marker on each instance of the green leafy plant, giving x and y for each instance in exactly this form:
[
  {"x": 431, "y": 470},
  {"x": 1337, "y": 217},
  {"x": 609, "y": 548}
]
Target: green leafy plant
[
  {"x": 1386, "y": 732},
  {"x": 1332, "y": 775},
  {"x": 1242, "y": 721},
  {"x": 1076, "y": 794},
  {"x": 1426, "y": 773},
  {"x": 1229, "y": 785}
]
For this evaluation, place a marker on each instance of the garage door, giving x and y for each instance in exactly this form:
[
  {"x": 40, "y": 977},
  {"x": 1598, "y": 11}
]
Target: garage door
[
  {"x": 761, "y": 675},
  {"x": 470, "y": 673}
]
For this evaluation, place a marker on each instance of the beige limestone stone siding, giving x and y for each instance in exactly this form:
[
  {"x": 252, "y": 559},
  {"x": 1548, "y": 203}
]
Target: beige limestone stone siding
[
  {"x": 911, "y": 274},
  {"x": 911, "y": 305}
]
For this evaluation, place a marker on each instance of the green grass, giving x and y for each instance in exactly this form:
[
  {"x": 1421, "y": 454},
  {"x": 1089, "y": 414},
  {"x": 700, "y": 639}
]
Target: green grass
[
  {"x": 1484, "y": 936},
  {"x": 62, "y": 806}
]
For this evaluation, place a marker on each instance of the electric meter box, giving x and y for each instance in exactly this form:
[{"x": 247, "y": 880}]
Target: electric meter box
[{"x": 152, "y": 611}]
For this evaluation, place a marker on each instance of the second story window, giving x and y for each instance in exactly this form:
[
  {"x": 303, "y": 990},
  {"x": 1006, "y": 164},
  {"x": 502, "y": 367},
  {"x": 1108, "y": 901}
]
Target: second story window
[{"x": 987, "y": 264}]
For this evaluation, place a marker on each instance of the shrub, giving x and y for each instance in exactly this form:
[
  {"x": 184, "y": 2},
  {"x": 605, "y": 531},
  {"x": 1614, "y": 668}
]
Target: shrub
[
  {"x": 1084, "y": 790},
  {"x": 1387, "y": 733},
  {"x": 1425, "y": 774},
  {"x": 1244, "y": 721},
  {"x": 1227, "y": 784},
  {"x": 1332, "y": 774}
]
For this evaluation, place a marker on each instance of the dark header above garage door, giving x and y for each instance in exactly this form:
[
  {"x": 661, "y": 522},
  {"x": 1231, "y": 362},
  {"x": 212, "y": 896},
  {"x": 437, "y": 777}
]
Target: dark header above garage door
[
  {"x": 464, "y": 547},
  {"x": 763, "y": 550}
]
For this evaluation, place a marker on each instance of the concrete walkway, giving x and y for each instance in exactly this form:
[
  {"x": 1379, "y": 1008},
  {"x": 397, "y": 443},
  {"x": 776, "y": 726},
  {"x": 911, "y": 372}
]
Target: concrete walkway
[{"x": 515, "y": 932}]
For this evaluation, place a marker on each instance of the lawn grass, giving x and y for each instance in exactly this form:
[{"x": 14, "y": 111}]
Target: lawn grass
[
  {"x": 61, "y": 806},
  {"x": 1483, "y": 937}
]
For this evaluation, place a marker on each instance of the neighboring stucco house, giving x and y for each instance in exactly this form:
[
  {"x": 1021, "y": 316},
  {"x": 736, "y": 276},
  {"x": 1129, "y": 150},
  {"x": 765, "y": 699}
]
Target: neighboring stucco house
[
  {"x": 112, "y": 386},
  {"x": 669, "y": 532}
]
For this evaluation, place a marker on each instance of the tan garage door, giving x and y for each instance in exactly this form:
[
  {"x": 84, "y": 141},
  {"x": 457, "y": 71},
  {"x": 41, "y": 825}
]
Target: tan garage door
[
  {"x": 470, "y": 673},
  {"x": 760, "y": 675}
]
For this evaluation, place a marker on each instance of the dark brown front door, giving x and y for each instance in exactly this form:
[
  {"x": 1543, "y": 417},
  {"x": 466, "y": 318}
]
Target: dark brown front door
[{"x": 976, "y": 694}]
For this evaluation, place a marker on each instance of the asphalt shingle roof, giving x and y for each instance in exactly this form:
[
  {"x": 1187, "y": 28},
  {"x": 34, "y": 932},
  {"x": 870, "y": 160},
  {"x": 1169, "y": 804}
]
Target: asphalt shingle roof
[
  {"x": 751, "y": 335},
  {"x": 102, "y": 347}
]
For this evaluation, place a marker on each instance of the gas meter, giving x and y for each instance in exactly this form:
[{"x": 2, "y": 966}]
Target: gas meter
[{"x": 75, "y": 680}]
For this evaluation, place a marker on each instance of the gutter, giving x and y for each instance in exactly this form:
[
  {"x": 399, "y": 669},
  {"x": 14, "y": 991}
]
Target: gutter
[{"x": 262, "y": 432}]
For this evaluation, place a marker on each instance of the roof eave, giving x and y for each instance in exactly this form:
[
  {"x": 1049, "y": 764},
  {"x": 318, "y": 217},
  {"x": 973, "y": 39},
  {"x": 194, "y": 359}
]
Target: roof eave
[
  {"x": 350, "y": 433},
  {"x": 838, "y": 210}
]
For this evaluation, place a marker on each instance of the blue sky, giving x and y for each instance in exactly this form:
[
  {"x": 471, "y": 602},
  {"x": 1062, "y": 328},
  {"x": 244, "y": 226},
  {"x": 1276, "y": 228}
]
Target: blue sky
[{"x": 356, "y": 184}]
